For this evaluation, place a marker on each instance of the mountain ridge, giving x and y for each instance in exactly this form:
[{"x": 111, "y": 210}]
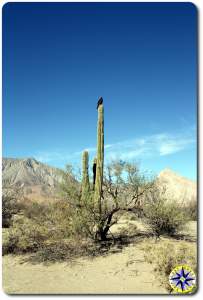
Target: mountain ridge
[
  {"x": 170, "y": 171},
  {"x": 39, "y": 179},
  {"x": 177, "y": 187}
]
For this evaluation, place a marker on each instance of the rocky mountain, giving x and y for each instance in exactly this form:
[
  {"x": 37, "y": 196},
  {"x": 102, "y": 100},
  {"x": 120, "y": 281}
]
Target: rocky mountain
[
  {"x": 35, "y": 178},
  {"x": 178, "y": 187},
  {"x": 39, "y": 180}
]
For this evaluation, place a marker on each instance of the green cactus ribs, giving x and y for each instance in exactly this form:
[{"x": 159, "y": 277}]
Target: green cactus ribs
[
  {"x": 100, "y": 155},
  {"x": 85, "y": 175}
]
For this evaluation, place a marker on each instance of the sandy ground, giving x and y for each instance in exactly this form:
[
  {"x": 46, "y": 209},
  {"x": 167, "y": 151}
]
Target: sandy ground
[
  {"x": 124, "y": 272},
  {"x": 115, "y": 273}
]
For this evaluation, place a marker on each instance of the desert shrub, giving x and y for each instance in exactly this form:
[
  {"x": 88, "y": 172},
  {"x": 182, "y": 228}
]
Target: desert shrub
[
  {"x": 10, "y": 206},
  {"x": 83, "y": 215},
  {"x": 191, "y": 210},
  {"x": 35, "y": 210},
  {"x": 38, "y": 224},
  {"x": 133, "y": 217},
  {"x": 28, "y": 237},
  {"x": 165, "y": 256},
  {"x": 55, "y": 216},
  {"x": 5, "y": 237},
  {"x": 82, "y": 223},
  {"x": 61, "y": 250},
  {"x": 25, "y": 236},
  {"x": 164, "y": 216}
]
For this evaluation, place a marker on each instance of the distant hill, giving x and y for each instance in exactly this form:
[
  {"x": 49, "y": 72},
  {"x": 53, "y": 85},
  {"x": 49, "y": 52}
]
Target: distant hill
[
  {"x": 35, "y": 178},
  {"x": 40, "y": 181},
  {"x": 178, "y": 187}
]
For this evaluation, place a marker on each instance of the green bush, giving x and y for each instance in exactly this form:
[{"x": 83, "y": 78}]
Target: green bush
[
  {"x": 38, "y": 224},
  {"x": 25, "y": 236},
  {"x": 55, "y": 216},
  {"x": 191, "y": 210},
  {"x": 44, "y": 244},
  {"x": 164, "y": 216},
  {"x": 10, "y": 207}
]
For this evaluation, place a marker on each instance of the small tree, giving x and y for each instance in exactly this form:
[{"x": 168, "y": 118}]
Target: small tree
[{"x": 124, "y": 189}]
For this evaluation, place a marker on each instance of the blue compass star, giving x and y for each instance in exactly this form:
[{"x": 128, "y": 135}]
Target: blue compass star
[{"x": 182, "y": 279}]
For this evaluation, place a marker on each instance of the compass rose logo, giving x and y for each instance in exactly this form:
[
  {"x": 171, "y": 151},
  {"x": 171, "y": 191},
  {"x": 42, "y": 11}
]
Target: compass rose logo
[{"x": 182, "y": 279}]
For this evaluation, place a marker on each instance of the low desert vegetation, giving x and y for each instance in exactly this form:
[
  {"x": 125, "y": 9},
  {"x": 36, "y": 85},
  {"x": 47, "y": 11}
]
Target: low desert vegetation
[
  {"x": 90, "y": 205},
  {"x": 11, "y": 204},
  {"x": 124, "y": 191},
  {"x": 191, "y": 210},
  {"x": 47, "y": 231},
  {"x": 164, "y": 216},
  {"x": 166, "y": 255},
  {"x": 35, "y": 225},
  {"x": 46, "y": 227},
  {"x": 97, "y": 212},
  {"x": 73, "y": 226}
]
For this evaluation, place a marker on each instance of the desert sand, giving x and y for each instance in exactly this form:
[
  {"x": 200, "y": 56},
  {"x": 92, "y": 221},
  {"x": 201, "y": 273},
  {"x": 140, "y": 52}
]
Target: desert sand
[{"x": 124, "y": 272}]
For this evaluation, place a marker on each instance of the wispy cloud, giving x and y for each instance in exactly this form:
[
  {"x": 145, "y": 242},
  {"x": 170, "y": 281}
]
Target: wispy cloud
[
  {"x": 152, "y": 146},
  {"x": 156, "y": 145},
  {"x": 173, "y": 146}
]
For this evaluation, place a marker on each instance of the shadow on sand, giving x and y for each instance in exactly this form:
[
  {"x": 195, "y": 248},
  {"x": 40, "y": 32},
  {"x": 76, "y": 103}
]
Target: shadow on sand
[{"x": 113, "y": 244}]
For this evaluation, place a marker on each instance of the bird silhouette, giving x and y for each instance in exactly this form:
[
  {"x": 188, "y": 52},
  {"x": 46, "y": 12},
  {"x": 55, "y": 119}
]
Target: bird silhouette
[{"x": 100, "y": 101}]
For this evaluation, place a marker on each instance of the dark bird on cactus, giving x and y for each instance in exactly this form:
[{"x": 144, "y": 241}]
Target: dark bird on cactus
[{"x": 100, "y": 101}]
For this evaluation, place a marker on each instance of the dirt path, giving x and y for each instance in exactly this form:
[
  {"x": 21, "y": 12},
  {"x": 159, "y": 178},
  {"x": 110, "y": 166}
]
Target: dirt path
[{"x": 123, "y": 272}]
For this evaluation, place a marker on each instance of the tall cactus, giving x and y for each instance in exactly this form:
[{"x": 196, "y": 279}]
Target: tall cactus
[
  {"x": 100, "y": 157},
  {"x": 85, "y": 175}
]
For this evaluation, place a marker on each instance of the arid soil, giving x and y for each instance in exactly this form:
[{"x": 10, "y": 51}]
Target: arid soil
[{"x": 124, "y": 272}]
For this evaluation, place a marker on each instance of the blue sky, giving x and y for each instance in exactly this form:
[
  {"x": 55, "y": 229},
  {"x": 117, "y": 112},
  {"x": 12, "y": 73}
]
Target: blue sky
[{"x": 58, "y": 58}]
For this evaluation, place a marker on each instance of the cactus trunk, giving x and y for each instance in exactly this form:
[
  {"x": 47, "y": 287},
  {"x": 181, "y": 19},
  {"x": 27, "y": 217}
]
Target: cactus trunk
[
  {"x": 85, "y": 176},
  {"x": 100, "y": 157}
]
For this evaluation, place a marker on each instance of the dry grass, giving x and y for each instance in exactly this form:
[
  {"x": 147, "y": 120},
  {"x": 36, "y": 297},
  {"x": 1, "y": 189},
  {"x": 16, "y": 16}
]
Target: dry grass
[{"x": 166, "y": 254}]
